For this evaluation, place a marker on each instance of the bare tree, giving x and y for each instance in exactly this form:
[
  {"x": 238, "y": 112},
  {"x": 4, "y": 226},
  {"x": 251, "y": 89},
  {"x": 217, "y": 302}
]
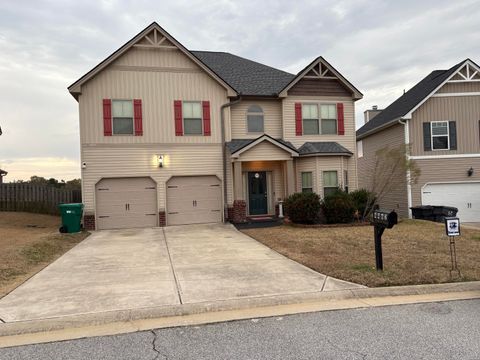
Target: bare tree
[{"x": 392, "y": 169}]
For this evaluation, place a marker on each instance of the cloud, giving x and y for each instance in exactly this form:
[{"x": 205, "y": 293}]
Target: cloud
[{"x": 382, "y": 47}]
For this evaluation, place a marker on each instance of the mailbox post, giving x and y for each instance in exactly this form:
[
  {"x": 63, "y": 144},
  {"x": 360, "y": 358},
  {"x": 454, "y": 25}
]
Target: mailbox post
[{"x": 381, "y": 220}]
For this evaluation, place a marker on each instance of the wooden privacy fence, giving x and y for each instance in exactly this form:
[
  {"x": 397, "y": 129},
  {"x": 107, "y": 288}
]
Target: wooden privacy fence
[{"x": 35, "y": 198}]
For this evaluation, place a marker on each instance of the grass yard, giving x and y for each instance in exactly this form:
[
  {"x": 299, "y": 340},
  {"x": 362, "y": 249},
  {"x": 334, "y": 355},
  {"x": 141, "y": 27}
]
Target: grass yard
[
  {"x": 28, "y": 243},
  {"x": 414, "y": 252}
]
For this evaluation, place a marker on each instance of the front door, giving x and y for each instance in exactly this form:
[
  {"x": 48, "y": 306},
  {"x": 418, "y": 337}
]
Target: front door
[{"x": 257, "y": 193}]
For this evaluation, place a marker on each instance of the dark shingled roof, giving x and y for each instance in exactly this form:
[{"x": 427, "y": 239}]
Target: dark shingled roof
[
  {"x": 247, "y": 77},
  {"x": 323, "y": 147},
  {"x": 237, "y": 144},
  {"x": 409, "y": 100}
]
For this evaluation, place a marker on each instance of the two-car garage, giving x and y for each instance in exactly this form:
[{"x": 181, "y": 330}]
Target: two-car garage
[{"x": 132, "y": 202}]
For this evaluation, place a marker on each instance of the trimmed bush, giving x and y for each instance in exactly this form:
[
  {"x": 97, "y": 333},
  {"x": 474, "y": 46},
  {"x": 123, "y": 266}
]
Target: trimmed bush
[
  {"x": 361, "y": 201},
  {"x": 338, "y": 207},
  {"x": 303, "y": 208}
]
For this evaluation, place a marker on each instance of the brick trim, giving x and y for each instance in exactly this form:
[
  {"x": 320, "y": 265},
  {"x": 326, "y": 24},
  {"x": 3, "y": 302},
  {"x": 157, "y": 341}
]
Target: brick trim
[
  {"x": 162, "y": 219},
  {"x": 89, "y": 222},
  {"x": 239, "y": 211}
]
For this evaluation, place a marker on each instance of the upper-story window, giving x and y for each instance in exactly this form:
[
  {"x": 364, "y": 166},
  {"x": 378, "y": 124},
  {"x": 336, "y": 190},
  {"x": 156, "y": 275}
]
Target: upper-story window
[
  {"x": 122, "y": 117},
  {"x": 192, "y": 118},
  {"x": 440, "y": 135},
  {"x": 255, "y": 119},
  {"x": 317, "y": 122}
]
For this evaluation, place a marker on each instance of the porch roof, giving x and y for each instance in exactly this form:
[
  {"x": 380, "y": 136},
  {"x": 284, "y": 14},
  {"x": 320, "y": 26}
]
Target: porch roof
[
  {"x": 323, "y": 148},
  {"x": 237, "y": 145}
]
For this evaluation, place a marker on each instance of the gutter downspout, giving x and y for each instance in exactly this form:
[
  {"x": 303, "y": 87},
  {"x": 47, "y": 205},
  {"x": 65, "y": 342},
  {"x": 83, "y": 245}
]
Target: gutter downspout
[
  {"x": 406, "y": 126},
  {"x": 224, "y": 153}
]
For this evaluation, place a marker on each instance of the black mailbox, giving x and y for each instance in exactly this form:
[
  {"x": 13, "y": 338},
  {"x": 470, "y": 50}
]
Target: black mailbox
[
  {"x": 381, "y": 220},
  {"x": 385, "y": 218}
]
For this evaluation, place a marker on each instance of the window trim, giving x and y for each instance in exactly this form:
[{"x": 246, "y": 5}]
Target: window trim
[
  {"x": 301, "y": 180},
  {"x": 319, "y": 119},
  {"x": 447, "y": 135},
  {"x": 201, "y": 118},
  {"x": 255, "y": 113},
  {"x": 323, "y": 181},
  {"x": 116, "y": 117},
  {"x": 359, "y": 149}
]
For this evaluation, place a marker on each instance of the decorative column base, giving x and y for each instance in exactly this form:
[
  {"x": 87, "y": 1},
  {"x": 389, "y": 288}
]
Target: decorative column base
[
  {"x": 89, "y": 221},
  {"x": 162, "y": 219},
  {"x": 239, "y": 211}
]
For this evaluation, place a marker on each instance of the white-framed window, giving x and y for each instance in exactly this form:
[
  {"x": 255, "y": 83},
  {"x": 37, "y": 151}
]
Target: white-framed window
[
  {"x": 328, "y": 113},
  {"x": 307, "y": 181},
  {"x": 440, "y": 135},
  {"x": 360, "y": 148},
  {"x": 330, "y": 182},
  {"x": 192, "y": 117},
  {"x": 310, "y": 119},
  {"x": 255, "y": 122},
  {"x": 323, "y": 122},
  {"x": 122, "y": 117}
]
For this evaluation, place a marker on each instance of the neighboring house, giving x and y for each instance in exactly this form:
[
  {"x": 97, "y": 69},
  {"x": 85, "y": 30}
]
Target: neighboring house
[
  {"x": 171, "y": 136},
  {"x": 439, "y": 117}
]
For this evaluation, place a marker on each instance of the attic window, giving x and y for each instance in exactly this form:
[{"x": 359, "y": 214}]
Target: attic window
[{"x": 255, "y": 119}]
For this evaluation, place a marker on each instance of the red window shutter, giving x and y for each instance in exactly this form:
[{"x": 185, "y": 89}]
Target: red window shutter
[
  {"x": 107, "y": 117},
  {"x": 137, "y": 116},
  {"x": 177, "y": 107},
  {"x": 340, "y": 119},
  {"x": 298, "y": 119},
  {"x": 206, "y": 118}
]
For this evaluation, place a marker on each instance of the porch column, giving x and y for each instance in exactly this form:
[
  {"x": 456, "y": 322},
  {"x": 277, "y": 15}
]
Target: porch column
[
  {"x": 237, "y": 181},
  {"x": 290, "y": 178}
]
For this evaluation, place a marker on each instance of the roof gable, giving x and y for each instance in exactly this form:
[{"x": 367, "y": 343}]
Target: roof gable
[
  {"x": 406, "y": 104},
  {"x": 321, "y": 69},
  {"x": 152, "y": 37},
  {"x": 237, "y": 147}
]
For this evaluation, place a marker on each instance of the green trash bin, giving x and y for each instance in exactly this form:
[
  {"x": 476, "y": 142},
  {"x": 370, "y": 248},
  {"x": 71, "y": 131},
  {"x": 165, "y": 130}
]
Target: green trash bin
[{"x": 71, "y": 217}]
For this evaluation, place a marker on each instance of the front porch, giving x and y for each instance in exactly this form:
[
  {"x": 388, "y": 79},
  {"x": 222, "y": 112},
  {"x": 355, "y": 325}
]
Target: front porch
[{"x": 263, "y": 176}]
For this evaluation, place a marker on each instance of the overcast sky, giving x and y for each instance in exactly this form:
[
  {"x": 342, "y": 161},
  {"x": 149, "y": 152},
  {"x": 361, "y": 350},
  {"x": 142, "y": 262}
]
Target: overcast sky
[{"x": 382, "y": 47}]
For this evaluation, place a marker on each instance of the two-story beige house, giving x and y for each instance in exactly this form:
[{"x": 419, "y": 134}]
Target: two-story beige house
[
  {"x": 171, "y": 136},
  {"x": 439, "y": 121}
]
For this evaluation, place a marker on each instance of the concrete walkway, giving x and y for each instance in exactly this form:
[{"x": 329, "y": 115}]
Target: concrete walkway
[{"x": 143, "y": 268}]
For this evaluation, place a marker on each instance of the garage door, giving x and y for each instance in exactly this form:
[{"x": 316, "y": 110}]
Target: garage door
[
  {"x": 126, "y": 203},
  {"x": 464, "y": 196},
  {"x": 194, "y": 200}
]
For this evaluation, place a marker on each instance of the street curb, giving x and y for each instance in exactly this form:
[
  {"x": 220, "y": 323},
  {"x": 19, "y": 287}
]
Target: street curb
[{"x": 354, "y": 298}]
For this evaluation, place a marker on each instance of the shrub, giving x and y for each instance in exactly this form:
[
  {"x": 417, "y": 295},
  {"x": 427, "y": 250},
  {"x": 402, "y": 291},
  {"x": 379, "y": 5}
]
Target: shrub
[
  {"x": 303, "y": 208},
  {"x": 363, "y": 201},
  {"x": 338, "y": 207}
]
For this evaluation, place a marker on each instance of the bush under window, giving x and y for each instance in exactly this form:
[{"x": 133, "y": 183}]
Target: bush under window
[
  {"x": 303, "y": 208},
  {"x": 338, "y": 207}
]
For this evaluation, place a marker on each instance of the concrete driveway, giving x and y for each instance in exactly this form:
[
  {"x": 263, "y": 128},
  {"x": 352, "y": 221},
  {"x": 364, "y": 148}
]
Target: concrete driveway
[{"x": 142, "y": 268}]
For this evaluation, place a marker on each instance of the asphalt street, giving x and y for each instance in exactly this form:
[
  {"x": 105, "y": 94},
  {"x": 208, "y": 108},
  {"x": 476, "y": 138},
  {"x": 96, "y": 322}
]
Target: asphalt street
[{"x": 447, "y": 330}]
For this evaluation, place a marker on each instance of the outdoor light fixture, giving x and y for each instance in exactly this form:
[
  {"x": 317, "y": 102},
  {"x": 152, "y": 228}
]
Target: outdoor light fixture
[
  {"x": 160, "y": 159},
  {"x": 470, "y": 171}
]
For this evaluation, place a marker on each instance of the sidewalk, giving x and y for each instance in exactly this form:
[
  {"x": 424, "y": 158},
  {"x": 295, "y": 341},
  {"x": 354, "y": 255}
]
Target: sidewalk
[{"x": 125, "y": 321}]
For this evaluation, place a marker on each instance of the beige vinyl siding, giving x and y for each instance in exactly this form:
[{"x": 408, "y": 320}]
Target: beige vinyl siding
[
  {"x": 137, "y": 160},
  {"x": 393, "y": 136},
  {"x": 272, "y": 119},
  {"x": 265, "y": 151},
  {"x": 277, "y": 170},
  {"x": 465, "y": 110},
  {"x": 444, "y": 170},
  {"x": 317, "y": 165},
  {"x": 156, "y": 59},
  {"x": 288, "y": 108},
  {"x": 460, "y": 87},
  {"x": 157, "y": 90},
  {"x": 308, "y": 164}
]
